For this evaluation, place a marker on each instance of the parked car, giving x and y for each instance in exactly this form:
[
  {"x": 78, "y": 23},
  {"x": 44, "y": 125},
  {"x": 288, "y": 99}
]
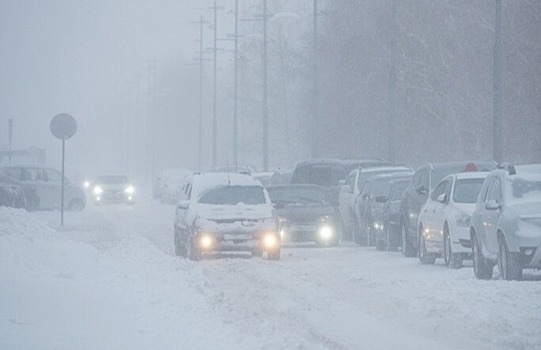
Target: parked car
[
  {"x": 444, "y": 220},
  {"x": 506, "y": 224},
  {"x": 306, "y": 214},
  {"x": 11, "y": 194},
  {"x": 42, "y": 187},
  {"x": 363, "y": 227},
  {"x": 225, "y": 212},
  {"x": 168, "y": 186},
  {"x": 115, "y": 188},
  {"x": 281, "y": 177},
  {"x": 350, "y": 188},
  {"x": 415, "y": 196},
  {"x": 386, "y": 214},
  {"x": 231, "y": 168},
  {"x": 328, "y": 173}
]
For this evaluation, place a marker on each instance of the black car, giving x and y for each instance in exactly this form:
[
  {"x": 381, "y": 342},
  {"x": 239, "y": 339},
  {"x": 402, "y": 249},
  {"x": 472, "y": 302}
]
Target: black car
[
  {"x": 363, "y": 229},
  {"x": 386, "y": 215},
  {"x": 327, "y": 173},
  {"x": 11, "y": 194},
  {"x": 415, "y": 196},
  {"x": 306, "y": 214}
]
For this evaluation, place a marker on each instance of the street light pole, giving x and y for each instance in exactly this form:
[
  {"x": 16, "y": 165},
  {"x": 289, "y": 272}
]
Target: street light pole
[
  {"x": 235, "y": 103},
  {"x": 315, "y": 92},
  {"x": 200, "y": 140},
  {"x": 265, "y": 93},
  {"x": 497, "y": 136}
]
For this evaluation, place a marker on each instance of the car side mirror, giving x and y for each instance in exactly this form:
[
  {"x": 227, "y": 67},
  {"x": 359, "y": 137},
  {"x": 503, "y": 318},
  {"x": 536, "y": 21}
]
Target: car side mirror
[
  {"x": 184, "y": 204},
  {"x": 442, "y": 198},
  {"x": 421, "y": 190},
  {"x": 381, "y": 199},
  {"x": 492, "y": 205},
  {"x": 346, "y": 189}
]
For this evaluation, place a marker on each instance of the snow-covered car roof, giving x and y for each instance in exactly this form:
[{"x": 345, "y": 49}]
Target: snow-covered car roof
[
  {"x": 201, "y": 182},
  {"x": 471, "y": 175}
]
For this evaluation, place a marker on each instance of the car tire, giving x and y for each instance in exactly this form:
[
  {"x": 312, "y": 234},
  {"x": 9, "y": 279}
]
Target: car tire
[
  {"x": 274, "y": 254},
  {"x": 76, "y": 205},
  {"x": 424, "y": 257},
  {"x": 508, "y": 264},
  {"x": 481, "y": 267},
  {"x": 407, "y": 248},
  {"x": 192, "y": 251},
  {"x": 452, "y": 260}
]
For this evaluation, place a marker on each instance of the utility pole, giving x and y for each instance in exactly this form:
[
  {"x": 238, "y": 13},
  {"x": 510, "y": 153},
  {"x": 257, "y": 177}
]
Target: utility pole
[
  {"x": 392, "y": 83},
  {"x": 315, "y": 91},
  {"x": 200, "y": 139},
  {"x": 265, "y": 93},
  {"x": 497, "y": 136},
  {"x": 235, "y": 103},
  {"x": 214, "y": 89}
]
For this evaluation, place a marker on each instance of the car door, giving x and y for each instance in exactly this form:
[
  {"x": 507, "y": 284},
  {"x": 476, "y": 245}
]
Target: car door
[
  {"x": 182, "y": 223},
  {"x": 419, "y": 196},
  {"x": 35, "y": 177},
  {"x": 492, "y": 216},
  {"x": 426, "y": 214},
  {"x": 440, "y": 210},
  {"x": 346, "y": 200},
  {"x": 360, "y": 206}
]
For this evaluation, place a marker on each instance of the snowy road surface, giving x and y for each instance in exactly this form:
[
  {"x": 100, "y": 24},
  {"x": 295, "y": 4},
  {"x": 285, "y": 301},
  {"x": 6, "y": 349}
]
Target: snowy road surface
[{"x": 109, "y": 280}]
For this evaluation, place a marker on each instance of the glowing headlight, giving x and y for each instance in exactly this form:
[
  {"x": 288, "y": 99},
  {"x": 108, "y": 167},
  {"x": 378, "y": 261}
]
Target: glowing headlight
[
  {"x": 325, "y": 232},
  {"x": 129, "y": 190},
  {"x": 205, "y": 241},
  {"x": 462, "y": 219},
  {"x": 270, "y": 240},
  {"x": 86, "y": 184},
  {"x": 98, "y": 190}
]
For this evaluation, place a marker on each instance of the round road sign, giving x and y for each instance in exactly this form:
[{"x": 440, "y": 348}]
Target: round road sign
[{"x": 63, "y": 126}]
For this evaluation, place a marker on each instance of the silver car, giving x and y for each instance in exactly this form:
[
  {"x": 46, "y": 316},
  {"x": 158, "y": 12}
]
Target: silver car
[
  {"x": 506, "y": 224},
  {"x": 42, "y": 186}
]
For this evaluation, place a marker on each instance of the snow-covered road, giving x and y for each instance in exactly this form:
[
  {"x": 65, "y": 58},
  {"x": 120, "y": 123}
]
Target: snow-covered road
[{"x": 109, "y": 280}]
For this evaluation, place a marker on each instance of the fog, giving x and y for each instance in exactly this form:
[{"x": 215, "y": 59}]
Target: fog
[{"x": 126, "y": 71}]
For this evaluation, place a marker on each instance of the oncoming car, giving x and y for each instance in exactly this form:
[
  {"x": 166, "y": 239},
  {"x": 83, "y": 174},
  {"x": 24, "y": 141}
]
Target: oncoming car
[
  {"x": 306, "y": 214},
  {"x": 113, "y": 189},
  {"x": 225, "y": 212}
]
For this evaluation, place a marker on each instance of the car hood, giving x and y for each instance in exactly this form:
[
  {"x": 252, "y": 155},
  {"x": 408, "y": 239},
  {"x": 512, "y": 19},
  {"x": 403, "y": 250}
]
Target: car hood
[
  {"x": 231, "y": 213},
  {"x": 305, "y": 213}
]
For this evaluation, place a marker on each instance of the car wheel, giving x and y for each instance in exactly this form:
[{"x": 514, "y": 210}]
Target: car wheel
[
  {"x": 508, "y": 264},
  {"x": 424, "y": 257},
  {"x": 452, "y": 260},
  {"x": 274, "y": 254},
  {"x": 407, "y": 248},
  {"x": 481, "y": 267},
  {"x": 76, "y": 205},
  {"x": 192, "y": 251}
]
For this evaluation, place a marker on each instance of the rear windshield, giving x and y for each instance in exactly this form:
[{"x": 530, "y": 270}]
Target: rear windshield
[
  {"x": 396, "y": 190},
  {"x": 233, "y": 195},
  {"x": 323, "y": 175},
  {"x": 467, "y": 190},
  {"x": 363, "y": 176}
]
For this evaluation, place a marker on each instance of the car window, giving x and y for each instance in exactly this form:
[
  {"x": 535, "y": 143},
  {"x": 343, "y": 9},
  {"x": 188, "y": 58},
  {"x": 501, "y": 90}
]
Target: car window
[
  {"x": 423, "y": 179},
  {"x": 53, "y": 175},
  {"x": 350, "y": 180},
  {"x": 233, "y": 195},
  {"x": 14, "y": 173},
  {"x": 438, "y": 190},
  {"x": 494, "y": 191},
  {"x": 394, "y": 192},
  {"x": 34, "y": 174},
  {"x": 366, "y": 188},
  {"x": 467, "y": 190},
  {"x": 305, "y": 196}
]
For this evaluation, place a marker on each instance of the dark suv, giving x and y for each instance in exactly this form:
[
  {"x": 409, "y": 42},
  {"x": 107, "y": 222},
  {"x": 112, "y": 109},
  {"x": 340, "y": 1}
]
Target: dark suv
[
  {"x": 415, "y": 196},
  {"x": 327, "y": 173}
]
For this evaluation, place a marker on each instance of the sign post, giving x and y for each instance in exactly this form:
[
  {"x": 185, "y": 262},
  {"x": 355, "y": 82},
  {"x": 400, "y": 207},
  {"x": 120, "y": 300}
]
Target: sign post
[{"x": 63, "y": 126}]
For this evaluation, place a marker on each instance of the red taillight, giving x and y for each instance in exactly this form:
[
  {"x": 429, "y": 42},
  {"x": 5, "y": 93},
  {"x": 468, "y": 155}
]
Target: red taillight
[{"x": 470, "y": 167}]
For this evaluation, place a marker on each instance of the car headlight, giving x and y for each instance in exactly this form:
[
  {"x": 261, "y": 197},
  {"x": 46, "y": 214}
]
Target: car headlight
[
  {"x": 270, "y": 240},
  {"x": 98, "y": 190},
  {"x": 378, "y": 226},
  {"x": 129, "y": 190},
  {"x": 462, "y": 219},
  {"x": 326, "y": 231},
  {"x": 205, "y": 241}
]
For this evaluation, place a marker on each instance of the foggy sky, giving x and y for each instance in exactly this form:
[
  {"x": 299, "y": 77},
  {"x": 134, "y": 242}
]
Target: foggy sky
[{"x": 90, "y": 59}]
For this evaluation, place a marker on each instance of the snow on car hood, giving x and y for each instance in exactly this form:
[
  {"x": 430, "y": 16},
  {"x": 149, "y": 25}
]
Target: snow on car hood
[{"x": 237, "y": 212}]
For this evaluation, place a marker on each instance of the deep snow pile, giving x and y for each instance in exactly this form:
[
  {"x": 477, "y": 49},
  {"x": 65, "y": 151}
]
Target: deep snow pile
[{"x": 108, "y": 279}]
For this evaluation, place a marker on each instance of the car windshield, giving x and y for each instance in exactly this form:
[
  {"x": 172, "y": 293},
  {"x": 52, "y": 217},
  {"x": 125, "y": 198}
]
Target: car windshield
[
  {"x": 324, "y": 175},
  {"x": 363, "y": 176},
  {"x": 525, "y": 187},
  {"x": 233, "y": 195},
  {"x": 298, "y": 196},
  {"x": 112, "y": 179},
  {"x": 467, "y": 190}
]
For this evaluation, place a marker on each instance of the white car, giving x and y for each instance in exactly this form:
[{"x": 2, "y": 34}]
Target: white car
[
  {"x": 444, "y": 220},
  {"x": 506, "y": 224},
  {"x": 225, "y": 212}
]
